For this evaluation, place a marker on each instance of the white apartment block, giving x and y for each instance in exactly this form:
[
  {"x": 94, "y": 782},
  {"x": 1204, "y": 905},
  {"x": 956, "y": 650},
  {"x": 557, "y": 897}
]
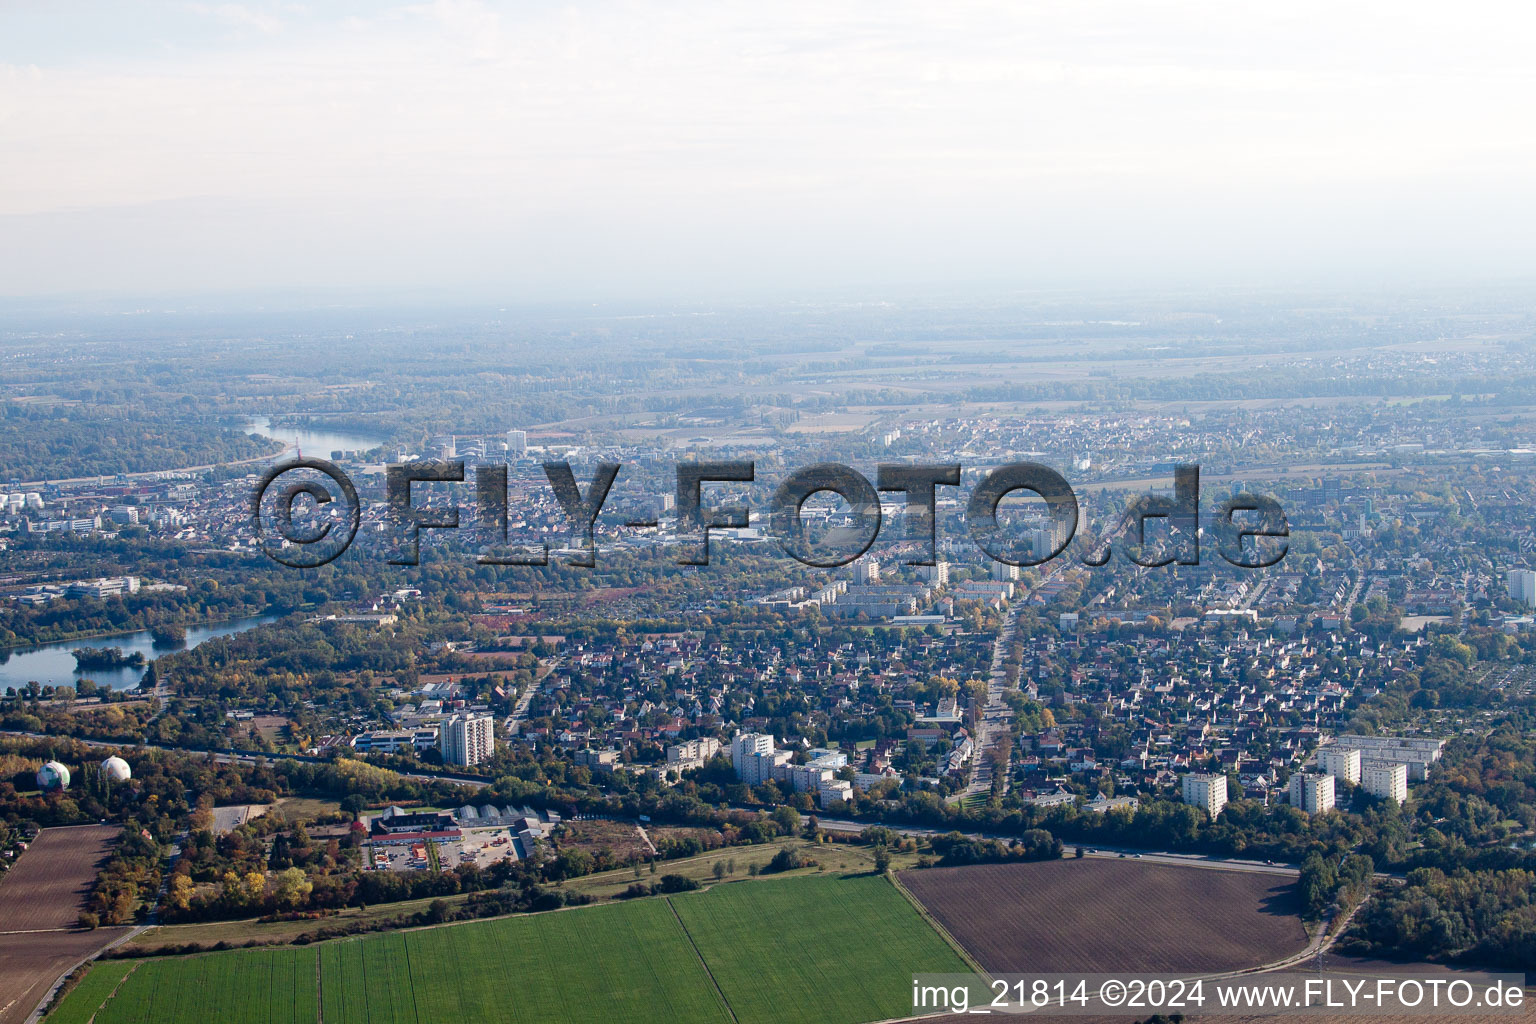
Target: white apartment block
[
  {"x": 1340, "y": 762},
  {"x": 1418, "y": 753},
  {"x": 466, "y": 739},
  {"x": 1312, "y": 792},
  {"x": 762, "y": 767},
  {"x": 753, "y": 757},
  {"x": 1388, "y": 780},
  {"x": 393, "y": 741},
  {"x": 1522, "y": 586},
  {"x": 1206, "y": 791},
  {"x": 865, "y": 781},
  {"x": 834, "y": 790},
  {"x": 804, "y": 778},
  {"x": 747, "y": 744},
  {"x": 692, "y": 753}
]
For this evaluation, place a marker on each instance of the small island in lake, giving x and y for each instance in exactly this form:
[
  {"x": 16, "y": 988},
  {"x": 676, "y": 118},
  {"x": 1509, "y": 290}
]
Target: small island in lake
[
  {"x": 106, "y": 657},
  {"x": 168, "y": 635}
]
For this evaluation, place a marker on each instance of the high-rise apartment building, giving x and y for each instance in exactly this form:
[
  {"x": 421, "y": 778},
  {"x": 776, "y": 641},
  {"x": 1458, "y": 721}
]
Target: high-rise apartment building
[
  {"x": 749, "y": 744},
  {"x": 1521, "y": 584},
  {"x": 1384, "y": 779},
  {"x": 1312, "y": 792},
  {"x": 466, "y": 739},
  {"x": 1342, "y": 763},
  {"x": 1208, "y": 792}
]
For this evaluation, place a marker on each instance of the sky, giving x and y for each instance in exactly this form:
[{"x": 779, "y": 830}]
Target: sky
[{"x": 617, "y": 149}]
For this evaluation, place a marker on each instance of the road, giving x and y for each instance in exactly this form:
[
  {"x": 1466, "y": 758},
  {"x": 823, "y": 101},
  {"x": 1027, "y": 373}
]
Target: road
[
  {"x": 996, "y": 717},
  {"x": 520, "y": 711}
]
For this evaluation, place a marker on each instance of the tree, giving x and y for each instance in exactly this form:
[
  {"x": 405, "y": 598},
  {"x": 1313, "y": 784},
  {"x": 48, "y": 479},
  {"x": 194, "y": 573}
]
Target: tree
[
  {"x": 882, "y": 860},
  {"x": 181, "y": 891},
  {"x": 293, "y": 888},
  {"x": 719, "y": 870},
  {"x": 788, "y": 820}
]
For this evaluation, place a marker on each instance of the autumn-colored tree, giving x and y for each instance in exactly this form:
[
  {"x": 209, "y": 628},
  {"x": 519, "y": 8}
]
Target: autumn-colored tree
[
  {"x": 181, "y": 890},
  {"x": 293, "y": 887}
]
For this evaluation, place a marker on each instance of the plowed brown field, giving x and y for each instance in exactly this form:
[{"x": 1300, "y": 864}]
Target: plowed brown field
[
  {"x": 1110, "y": 915},
  {"x": 48, "y": 885},
  {"x": 40, "y": 902}
]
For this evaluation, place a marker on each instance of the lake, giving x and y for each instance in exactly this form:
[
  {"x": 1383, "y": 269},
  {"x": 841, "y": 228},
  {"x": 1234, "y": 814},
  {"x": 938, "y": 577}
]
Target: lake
[
  {"x": 54, "y": 664},
  {"x": 318, "y": 443}
]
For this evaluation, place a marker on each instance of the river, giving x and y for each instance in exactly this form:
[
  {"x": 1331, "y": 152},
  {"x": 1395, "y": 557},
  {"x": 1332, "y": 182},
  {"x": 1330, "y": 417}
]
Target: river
[
  {"x": 317, "y": 443},
  {"x": 54, "y": 664}
]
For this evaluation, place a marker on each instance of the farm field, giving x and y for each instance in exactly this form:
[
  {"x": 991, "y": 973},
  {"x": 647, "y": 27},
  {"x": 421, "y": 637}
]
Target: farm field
[
  {"x": 81, "y": 1001},
  {"x": 724, "y": 955},
  {"x": 269, "y": 986},
  {"x": 48, "y": 885},
  {"x": 31, "y": 962},
  {"x": 868, "y": 942},
  {"x": 1111, "y": 915},
  {"x": 40, "y": 902}
]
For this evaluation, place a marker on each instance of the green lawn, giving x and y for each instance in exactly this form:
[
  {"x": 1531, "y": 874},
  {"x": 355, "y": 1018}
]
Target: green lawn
[{"x": 811, "y": 949}]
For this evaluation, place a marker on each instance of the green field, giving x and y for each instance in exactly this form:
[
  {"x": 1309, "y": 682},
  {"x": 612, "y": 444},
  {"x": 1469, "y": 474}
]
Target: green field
[
  {"x": 815, "y": 949},
  {"x": 84, "y": 998},
  {"x": 812, "y": 949},
  {"x": 248, "y": 986}
]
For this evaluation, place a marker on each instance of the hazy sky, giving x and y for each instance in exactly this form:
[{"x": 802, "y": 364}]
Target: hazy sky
[{"x": 533, "y": 149}]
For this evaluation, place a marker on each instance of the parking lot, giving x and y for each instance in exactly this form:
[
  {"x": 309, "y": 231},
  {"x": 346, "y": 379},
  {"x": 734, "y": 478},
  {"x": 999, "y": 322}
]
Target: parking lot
[{"x": 480, "y": 846}]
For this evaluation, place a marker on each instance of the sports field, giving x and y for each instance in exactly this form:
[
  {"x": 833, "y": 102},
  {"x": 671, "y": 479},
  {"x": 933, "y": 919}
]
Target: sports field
[{"x": 812, "y": 949}]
